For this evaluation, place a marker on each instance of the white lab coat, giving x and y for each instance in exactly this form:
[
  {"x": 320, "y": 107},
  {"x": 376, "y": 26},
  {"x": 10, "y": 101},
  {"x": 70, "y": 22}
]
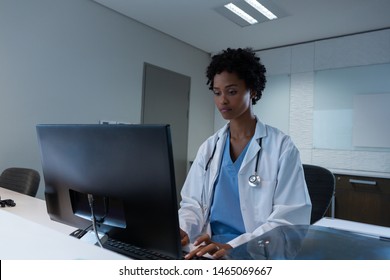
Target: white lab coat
[{"x": 280, "y": 198}]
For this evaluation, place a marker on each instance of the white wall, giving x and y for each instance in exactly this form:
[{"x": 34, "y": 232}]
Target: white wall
[
  {"x": 75, "y": 61},
  {"x": 300, "y": 63}
]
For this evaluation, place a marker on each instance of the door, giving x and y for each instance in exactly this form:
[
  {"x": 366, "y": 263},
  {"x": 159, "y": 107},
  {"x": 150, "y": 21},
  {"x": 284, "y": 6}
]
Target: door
[{"x": 166, "y": 101}]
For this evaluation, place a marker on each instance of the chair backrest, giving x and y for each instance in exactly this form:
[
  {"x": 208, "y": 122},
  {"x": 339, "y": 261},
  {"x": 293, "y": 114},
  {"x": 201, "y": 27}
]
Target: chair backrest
[
  {"x": 22, "y": 180},
  {"x": 321, "y": 186}
]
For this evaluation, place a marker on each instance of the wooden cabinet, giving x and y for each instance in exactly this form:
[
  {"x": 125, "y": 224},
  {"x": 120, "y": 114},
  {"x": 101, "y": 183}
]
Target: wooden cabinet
[{"x": 363, "y": 199}]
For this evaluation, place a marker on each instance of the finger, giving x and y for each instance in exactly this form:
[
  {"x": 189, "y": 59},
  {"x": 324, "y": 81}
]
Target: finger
[
  {"x": 192, "y": 254},
  {"x": 208, "y": 249},
  {"x": 219, "y": 254},
  {"x": 223, "y": 250},
  {"x": 203, "y": 238}
]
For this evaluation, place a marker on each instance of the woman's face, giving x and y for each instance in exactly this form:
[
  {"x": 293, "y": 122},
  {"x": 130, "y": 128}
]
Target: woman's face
[{"x": 231, "y": 95}]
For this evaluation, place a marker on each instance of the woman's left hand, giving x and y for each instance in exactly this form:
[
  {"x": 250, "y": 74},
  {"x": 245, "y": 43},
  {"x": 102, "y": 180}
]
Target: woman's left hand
[{"x": 207, "y": 246}]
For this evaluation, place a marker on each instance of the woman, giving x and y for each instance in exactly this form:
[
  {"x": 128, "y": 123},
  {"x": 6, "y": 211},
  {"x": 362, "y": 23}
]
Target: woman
[{"x": 247, "y": 178}]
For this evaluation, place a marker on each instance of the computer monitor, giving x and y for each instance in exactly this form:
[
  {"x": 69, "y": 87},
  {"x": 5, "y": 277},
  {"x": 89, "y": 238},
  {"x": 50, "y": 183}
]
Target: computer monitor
[{"x": 129, "y": 171}]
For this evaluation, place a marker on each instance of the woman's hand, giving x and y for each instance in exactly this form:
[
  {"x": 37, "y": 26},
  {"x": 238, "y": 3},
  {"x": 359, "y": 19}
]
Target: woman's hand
[
  {"x": 207, "y": 246},
  {"x": 184, "y": 238}
]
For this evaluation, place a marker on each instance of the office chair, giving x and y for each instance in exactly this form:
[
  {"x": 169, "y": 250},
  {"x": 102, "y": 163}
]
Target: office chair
[
  {"x": 321, "y": 186},
  {"x": 22, "y": 180}
]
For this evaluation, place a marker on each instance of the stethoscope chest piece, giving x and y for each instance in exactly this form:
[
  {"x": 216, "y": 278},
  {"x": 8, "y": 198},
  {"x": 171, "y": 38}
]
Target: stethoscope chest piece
[{"x": 254, "y": 180}]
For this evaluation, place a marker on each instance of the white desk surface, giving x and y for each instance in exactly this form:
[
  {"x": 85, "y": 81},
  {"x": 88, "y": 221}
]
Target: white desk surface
[
  {"x": 33, "y": 209},
  {"x": 366, "y": 229},
  {"x": 28, "y": 233},
  {"x": 22, "y": 239}
]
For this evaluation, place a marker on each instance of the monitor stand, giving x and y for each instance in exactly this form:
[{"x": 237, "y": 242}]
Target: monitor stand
[{"x": 90, "y": 237}]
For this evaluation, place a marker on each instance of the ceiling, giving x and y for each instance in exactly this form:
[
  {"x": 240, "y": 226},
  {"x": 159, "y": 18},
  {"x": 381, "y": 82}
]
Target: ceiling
[{"x": 197, "y": 23}]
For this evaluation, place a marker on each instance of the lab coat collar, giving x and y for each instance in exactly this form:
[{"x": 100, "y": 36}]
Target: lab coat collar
[
  {"x": 261, "y": 130},
  {"x": 254, "y": 147}
]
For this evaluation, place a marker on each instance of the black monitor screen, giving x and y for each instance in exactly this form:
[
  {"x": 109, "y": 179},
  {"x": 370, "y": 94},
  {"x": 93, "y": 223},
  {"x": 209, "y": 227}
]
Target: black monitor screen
[{"x": 129, "y": 171}]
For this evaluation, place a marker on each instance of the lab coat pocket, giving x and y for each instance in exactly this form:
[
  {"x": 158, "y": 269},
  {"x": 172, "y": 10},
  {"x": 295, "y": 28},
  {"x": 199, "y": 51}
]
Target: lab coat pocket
[
  {"x": 264, "y": 186},
  {"x": 261, "y": 199}
]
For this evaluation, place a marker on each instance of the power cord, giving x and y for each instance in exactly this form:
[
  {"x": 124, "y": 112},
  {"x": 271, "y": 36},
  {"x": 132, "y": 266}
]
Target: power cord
[{"x": 93, "y": 219}]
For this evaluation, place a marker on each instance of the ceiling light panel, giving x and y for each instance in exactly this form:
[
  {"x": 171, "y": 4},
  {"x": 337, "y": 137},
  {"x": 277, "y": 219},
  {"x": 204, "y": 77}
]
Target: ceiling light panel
[
  {"x": 262, "y": 9},
  {"x": 239, "y": 12},
  {"x": 257, "y": 11}
]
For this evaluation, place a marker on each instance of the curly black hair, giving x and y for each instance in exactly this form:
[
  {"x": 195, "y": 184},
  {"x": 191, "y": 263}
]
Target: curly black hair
[{"x": 244, "y": 63}]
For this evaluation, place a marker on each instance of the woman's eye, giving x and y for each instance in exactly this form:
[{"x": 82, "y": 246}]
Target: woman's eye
[
  {"x": 232, "y": 92},
  {"x": 216, "y": 92}
]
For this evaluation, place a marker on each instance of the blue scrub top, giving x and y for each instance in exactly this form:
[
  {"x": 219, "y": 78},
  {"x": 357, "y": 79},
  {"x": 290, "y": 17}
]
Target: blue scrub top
[{"x": 225, "y": 214}]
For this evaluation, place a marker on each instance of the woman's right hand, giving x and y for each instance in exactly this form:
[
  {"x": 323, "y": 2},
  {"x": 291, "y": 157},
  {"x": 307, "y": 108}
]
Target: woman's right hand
[
  {"x": 185, "y": 240},
  {"x": 206, "y": 246}
]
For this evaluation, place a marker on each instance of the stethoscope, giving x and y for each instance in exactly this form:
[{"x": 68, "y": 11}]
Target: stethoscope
[{"x": 254, "y": 180}]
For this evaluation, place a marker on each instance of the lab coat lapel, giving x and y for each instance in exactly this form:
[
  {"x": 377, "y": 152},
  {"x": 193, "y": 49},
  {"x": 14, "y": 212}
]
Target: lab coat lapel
[
  {"x": 251, "y": 153},
  {"x": 254, "y": 146},
  {"x": 215, "y": 163}
]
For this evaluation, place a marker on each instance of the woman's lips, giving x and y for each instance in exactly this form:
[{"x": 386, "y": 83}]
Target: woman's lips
[{"x": 224, "y": 110}]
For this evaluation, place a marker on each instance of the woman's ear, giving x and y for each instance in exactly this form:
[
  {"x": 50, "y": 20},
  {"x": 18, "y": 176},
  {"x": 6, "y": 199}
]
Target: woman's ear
[{"x": 253, "y": 94}]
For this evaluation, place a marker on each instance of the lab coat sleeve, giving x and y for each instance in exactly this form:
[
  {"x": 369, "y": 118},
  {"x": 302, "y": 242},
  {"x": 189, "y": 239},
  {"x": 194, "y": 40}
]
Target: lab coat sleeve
[
  {"x": 191, "y": 215},
  {"x": 291, "y": 201}
]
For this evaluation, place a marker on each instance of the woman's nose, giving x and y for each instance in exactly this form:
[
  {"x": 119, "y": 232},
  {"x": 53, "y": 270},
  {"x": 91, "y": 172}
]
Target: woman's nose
[{"x": 223, "y": 99}]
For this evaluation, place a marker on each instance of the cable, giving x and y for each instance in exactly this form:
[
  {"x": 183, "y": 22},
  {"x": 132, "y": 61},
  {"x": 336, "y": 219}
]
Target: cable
[
  {"x": 212, "y": 155},
  {"x": 105, "y": 202},
  {"x": 93, "y": 219}
]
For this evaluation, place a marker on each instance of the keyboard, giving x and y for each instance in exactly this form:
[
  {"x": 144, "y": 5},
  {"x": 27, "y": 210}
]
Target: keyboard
[{"x": 136, "y": 252}]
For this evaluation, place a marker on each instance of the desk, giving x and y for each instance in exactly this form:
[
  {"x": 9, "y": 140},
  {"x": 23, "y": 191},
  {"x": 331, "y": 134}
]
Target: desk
[
  {"x": 29, "y": 226},
  {"x": 365, "y": 229},
  {"x": 32, "y": 209},
  {"x": 28, "y": 233}
]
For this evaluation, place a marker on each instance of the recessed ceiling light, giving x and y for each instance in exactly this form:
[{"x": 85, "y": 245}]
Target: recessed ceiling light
[
  {"x": 249, "y": 12},
  {"x": 259, "y": 7},
  {"x": 241, "y": 13}
]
